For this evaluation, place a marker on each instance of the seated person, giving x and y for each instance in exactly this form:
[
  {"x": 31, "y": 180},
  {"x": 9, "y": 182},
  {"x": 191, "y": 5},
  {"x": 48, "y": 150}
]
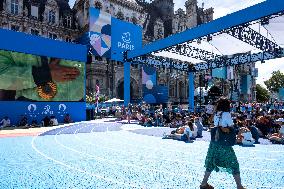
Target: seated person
[
  {"x": 23, "y": 121},
  {"x": 5, "y": 122},
  {"x": 184, "y": 133},
  {"x": 46, "y": 121},
  {"x": 34, "y": 123},
  {"x": 247, "y": 139},
  {"x": 53, "y": 121},
  {"x": 139, "y": 118},
  {"x": 254, "y": 131},
  {"x": 67, "y": 119},
  {"x": 148, "y": 122},
  {"x": 199, "y": 126},
  {"x": 278, "y": 137},
  {"x": 240, "y": 134},
  {"x": 193, "y": 128},
  {"x": 158, "y": 121}
]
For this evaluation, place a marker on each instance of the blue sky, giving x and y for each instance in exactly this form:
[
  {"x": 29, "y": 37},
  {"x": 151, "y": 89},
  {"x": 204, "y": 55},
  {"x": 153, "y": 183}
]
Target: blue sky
[{"x": 224, "y": 7}]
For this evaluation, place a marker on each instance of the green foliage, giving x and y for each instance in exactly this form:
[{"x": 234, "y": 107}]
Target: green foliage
[
  {"x": 275, "y": 82},
  {"x": 262, "y": 94}
]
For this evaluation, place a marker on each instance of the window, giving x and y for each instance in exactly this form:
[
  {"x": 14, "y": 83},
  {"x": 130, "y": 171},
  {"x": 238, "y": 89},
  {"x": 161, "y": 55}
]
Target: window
[
  {"x": 15, "y": 28},
  {"x": 34, "y": 32},
  {"x": 52, "y": 36},
  {"x": 68, "y": 39},
  {"x": 172, "y": 90},
  {"x": 51, "y": 17},
  {"x": 14, "y": 6},
  {"x": 34, "y": 11},
  {"x": 68, "y": 21}
]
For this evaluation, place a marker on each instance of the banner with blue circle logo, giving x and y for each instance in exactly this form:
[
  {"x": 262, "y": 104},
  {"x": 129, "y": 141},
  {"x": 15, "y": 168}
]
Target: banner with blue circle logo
[
  {"x": 38, "y": 110},
  {"x": 125, "y": 36}
]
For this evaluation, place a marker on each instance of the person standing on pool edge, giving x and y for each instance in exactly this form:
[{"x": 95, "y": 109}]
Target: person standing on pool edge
[{"x": 219, "y": 156}]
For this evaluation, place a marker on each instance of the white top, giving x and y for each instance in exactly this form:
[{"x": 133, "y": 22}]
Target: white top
[
  {"x": 5, "y": 123},
  {"x": 54, "y": 121},
  {"x": 209, "y": 109},
  {"x": 226, "y": 120},
  {"x": 247, "y": 135},
  {"x": 194, "y": 130},
  {"x": 187, "y": 130}
]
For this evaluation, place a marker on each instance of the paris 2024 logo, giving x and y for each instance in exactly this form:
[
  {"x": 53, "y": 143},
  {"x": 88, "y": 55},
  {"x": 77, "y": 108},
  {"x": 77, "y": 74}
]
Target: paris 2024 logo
[{"x": 126, "y": 42}]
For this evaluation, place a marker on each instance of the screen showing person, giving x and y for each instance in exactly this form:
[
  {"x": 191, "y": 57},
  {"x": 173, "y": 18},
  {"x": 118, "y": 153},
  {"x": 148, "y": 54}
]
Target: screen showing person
[{"x": 29, "y": 77}]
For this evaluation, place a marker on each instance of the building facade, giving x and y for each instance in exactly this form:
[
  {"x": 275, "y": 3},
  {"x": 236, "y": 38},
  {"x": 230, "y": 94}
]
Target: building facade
[
  {"x": 55, "y": 19},
  {"x": 158, "y": 20},
  {"x": 51, "y": 18}
]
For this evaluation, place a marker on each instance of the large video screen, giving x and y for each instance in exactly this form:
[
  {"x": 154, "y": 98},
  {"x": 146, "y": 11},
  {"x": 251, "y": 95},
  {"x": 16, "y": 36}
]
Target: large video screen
[{"x": 26, "y": 77}]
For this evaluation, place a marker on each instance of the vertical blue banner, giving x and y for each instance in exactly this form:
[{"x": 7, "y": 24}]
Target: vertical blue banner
[
  {"x": 100, "y": 33},
  {"x": 246, "y": 84},
  {"x": 125, "y": 37}
]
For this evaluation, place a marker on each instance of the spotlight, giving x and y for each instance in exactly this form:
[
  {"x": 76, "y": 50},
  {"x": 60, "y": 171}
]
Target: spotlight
[
  {"x": 209, "y": 38},
  {"x": 264, "y": 21}
]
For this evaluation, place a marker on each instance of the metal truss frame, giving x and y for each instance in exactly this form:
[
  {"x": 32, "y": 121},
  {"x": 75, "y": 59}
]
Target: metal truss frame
[
  {"x": 246, "y": 34},
  {"x": 169, "y": 63},
  {"x": 186, "y": 49},
  {"x": 236, "y": 60},
  {"x": 236, "y": 25},
  {"x": 163, "y": 62},
  {"x": 245, "y": 16}
]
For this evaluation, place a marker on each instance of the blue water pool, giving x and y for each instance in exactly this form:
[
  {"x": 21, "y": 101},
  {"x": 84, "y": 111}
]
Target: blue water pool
[{"x": 111, "y": 155}]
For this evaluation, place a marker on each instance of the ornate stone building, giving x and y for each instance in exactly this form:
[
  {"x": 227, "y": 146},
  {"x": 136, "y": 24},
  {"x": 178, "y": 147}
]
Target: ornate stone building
[
  {"x": 55, "y": 19},
  {"x": 48, "y": 18},
  {"x": 158, "y": 21}
]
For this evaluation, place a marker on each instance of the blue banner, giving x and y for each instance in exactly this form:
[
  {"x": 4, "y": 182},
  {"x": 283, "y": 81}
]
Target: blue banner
[
  {"x": 246, "y": 84},
  {"x": 157, "y": 94},
  {"x": 125, "y": 36},
  {"x": 100, "y": 33},
  {"x": 220, "y": 73},
  {"x": 149, "y": 75},
  {"x": 38, "y": 110},
  {"x": 36, "y": 45}
]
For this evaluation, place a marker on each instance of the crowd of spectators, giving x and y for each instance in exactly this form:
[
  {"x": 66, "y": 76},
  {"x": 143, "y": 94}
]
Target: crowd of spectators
[
  {"x": 25, "y": 122},
  {"x": 251, "y": 120}
]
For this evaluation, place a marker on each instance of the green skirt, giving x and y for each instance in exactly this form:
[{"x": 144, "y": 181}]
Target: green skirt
[{"x": 221, "y": 158}]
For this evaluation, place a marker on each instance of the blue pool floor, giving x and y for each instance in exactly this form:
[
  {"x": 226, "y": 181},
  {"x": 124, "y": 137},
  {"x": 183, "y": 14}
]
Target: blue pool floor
[{"x": 111, "y": 155}]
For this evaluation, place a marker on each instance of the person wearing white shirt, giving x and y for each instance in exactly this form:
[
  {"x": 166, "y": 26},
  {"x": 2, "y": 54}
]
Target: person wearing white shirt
[
  {"x": 53, "y": 121},
  {"x": 278, "y": 137},
  {"x": 221, "y": 156},
  {"x": 5, "y": 122},
  {"x": 247, "y": 138}
]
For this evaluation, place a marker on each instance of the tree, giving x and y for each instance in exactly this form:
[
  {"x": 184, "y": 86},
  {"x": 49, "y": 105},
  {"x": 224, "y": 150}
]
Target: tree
[
  {"x": 262, "y": 94},
  {"x": 275, "y": 82}
]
